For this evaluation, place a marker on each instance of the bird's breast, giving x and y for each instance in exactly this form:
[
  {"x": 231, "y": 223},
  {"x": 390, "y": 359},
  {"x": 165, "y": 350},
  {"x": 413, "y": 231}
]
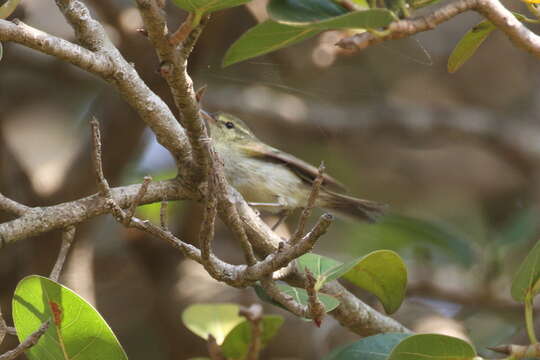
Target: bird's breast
[{"x": 264, "y": 181}]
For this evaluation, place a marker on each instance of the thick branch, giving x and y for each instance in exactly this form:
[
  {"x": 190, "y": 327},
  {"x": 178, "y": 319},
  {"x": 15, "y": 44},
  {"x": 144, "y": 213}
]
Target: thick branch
[
  {"x": 492, "y": 10},
  {"x": 42, "y": 219},
  {"x": 173, "y": 62},
  {"x": 23, "y": 34}
]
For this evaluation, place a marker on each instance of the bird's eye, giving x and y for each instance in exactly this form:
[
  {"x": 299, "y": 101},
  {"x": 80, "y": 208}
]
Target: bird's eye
[{"x": 229, "y": 125}]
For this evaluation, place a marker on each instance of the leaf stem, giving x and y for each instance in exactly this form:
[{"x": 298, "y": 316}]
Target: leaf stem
[{"x": 529, "y": 318}]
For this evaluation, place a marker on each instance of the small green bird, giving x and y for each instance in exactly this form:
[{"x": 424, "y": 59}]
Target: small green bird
[{"x": 268, "y": 177}]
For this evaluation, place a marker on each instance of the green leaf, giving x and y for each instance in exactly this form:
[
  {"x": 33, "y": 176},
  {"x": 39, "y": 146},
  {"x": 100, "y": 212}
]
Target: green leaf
[
  {"x": 299, "y": 295},
  {"x": 383, "y": 274},
  {"x": 212, "y": 319},
  {"x": 76, "y": 328},
  {"x": 417, "y": 4},
  {"x": 432, "y": 347},
  {"x": 236, "y": 344},
  {"x": 326, "y": 15},
  {"x": 264, "y": 38},
  {"x": 303, "y": 11},
  {"x": 376, "y": 347},
  {"x": 527, "y": 275},
  {"x": 468, "y": 45},
  {"x": 8, "y": 8},
  {"x": 323, "y": 268},
  {"x": 207, "y": 6}
]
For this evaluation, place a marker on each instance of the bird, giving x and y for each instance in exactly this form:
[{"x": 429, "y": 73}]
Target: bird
[{"x": 275, "y": 180}]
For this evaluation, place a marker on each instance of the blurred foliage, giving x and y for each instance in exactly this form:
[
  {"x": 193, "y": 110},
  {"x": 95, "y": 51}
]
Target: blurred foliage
[{"x": 399, "y": 233}]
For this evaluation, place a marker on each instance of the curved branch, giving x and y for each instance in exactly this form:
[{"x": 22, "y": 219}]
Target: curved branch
[
  {"x": 33, "y": 38},
  {"x": 492, "y": 10}
]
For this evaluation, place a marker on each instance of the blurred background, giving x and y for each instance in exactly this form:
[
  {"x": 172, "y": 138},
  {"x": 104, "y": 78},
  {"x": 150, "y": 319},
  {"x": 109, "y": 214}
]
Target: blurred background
[{"x": 454, "y": 155}]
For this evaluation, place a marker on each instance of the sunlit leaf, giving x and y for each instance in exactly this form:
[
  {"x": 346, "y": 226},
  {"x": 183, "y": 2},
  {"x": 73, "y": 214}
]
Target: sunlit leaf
[
  {"x": 527, "y": 275},
  {"x": 76, "y": 329},
  {"x": 264, "y": 38},
  {"x": 432, "y": 347},
  {"x": 299, "y": 295},
  {"x": 324, "y": 269},
  {"x": 212, "y": 319},
  {"x": 376, "y": 347},
  {"x": 207, "y": 6},
  {"x": 237, "y": 342},
  {"x": 468, "y": 44},
  {"x": 8, "y": 8},
  {"x": 383, "y": 274}
]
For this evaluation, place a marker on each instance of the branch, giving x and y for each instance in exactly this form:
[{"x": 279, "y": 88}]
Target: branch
[
  {"x": 492, "y": 10},
  {"x": 30, "y": 341},
  {"x": 518, "y": 351},
  {"x": 12, "y": 206},
  {"x": 108, "y": 64},
  {"x": 28, "y": 36},
  {"x": 309, "y": 206},
  {"x": 253, "y": 314},
  {"x": 214, "y": 351},
  {"x": 67, "y": 239},
  {"x": 173, "y": 68},
  {"x": 352, "y": 312},
  {"x": 38, "y": 220}
]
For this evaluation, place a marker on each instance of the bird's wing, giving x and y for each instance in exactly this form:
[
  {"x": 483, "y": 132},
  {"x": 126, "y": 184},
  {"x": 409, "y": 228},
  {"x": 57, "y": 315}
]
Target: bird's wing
[{"x": 304, "y": 170}]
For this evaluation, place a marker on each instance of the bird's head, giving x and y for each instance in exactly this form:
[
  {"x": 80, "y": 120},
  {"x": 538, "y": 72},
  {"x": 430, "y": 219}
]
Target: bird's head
[{"x": 226, "y": 128}]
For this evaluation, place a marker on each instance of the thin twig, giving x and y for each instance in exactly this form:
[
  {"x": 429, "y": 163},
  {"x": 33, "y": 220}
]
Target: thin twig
[
  {"x": 12, "y": 206},
  {"x": 68, "y": 235},
  {"x": 287, "y": 301},
  {"x": 254, "y": 315},
  {"x": 163, "y": 214},
  {"x": 315, "y": 188},
  {"x": 288, "y": 252},
  {"x": 214, "y": 351},
  {"x": 104, "y": 188},
  {"x": 30, "y": 341},
  {"x": 227, "y": 208},
  {"x": 315, "y": 307},
  {"x": 136, "y": 202},
  {"x": 183, "y": 31}
]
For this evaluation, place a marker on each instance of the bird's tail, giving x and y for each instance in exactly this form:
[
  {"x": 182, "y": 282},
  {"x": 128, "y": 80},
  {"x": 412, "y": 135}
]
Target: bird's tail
[{"x": 358, "y": 209}]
